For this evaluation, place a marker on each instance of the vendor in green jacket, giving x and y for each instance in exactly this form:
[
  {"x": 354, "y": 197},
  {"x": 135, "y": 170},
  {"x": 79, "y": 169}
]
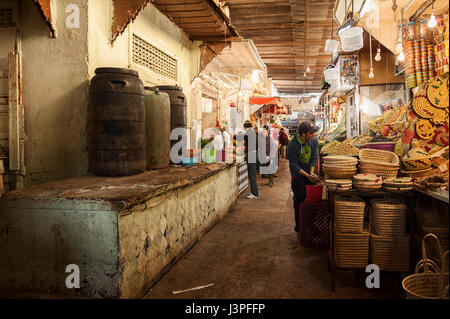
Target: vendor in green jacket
[{"x": 302, "y": 153}]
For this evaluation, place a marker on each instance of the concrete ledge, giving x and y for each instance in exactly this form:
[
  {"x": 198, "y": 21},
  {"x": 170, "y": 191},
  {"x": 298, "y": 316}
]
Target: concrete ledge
[{"x": 122, "y": 243}]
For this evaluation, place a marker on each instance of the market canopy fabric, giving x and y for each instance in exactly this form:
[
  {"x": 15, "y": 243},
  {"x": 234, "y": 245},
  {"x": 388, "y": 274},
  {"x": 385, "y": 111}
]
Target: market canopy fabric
[
  {"x": 46, "y": 14},
  {"x": 271, "y": 104}
]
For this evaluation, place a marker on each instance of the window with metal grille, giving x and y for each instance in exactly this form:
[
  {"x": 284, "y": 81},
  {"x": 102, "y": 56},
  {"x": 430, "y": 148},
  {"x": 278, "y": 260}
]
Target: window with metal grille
[
  {"x": 6, "y": 17},
  {"x": 153, "y": 58}
]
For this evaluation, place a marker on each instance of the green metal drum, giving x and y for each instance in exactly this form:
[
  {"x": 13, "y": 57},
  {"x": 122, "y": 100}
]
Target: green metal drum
[{"x": 157, "y": 122}]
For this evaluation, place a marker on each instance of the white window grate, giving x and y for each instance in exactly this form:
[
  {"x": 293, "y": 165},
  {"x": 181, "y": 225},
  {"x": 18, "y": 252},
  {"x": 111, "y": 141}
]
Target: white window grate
[{"x": 153, "y": 58}]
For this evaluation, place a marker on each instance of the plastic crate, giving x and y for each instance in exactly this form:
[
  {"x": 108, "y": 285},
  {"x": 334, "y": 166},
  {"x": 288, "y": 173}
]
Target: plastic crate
[{"x": 313, "y": 231}]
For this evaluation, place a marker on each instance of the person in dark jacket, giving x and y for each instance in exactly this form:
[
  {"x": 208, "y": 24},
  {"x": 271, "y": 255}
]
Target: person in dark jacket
[
  {"x": 284, "y": 141},
  {"x": 250, "y": 158},
  {"x": 302, "y": 153}
]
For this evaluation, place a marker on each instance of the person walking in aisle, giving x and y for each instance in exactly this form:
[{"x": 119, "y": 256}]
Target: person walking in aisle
[
  {"x": 250, "y": 158},
  {"x": 302, "y": 153},
  {"x": 284, "y": 141},
  {"x": 270, "y": 161}
]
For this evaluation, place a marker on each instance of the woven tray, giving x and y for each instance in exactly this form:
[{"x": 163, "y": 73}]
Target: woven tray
[
  {"x": 351, "y": 250},
  {"x": 339, "y": 174},
  {"x": 422, "y": 106},
  {"x": 425, "y": 129},
  {"x": 437, "y": 92}
]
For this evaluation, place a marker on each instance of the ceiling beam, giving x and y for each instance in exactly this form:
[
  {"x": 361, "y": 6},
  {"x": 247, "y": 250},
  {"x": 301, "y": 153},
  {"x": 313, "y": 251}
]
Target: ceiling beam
[
  {"x": 293, "y": 42},
  {"x": 292, "y": 67}
]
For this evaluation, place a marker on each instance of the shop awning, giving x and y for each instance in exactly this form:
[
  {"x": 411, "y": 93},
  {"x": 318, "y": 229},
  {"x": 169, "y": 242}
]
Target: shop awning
[
  {"x": 270, "y": 104},
  {"x": 45, "y": 11}
]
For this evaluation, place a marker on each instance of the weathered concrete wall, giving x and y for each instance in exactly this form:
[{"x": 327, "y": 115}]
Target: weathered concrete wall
[
  {"x": 55, "y": 79},
  {"x": 153, "y": 235},
  {"x": 38, "y": 239},
  {"x": 120, "y": 253}
]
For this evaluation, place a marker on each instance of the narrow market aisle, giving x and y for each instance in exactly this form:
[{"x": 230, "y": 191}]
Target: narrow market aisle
[{"x": 254, "y": 253}]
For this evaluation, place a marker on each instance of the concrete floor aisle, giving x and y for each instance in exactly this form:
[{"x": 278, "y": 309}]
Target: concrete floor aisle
[{"x": 254, "y": 253}]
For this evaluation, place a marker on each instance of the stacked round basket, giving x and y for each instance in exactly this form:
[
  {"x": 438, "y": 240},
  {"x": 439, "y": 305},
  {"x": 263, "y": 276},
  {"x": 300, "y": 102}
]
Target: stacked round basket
[
  {"x": 378, "y": 162},
  {"x": 398, "y": 185},
  {"x": 351, "y": 246},
  {"x": 367, "y": 182},
  {"x": 389, "y": 243},
  {"x": 340, "y": 167},
  {"x": 339, "y": 185}
]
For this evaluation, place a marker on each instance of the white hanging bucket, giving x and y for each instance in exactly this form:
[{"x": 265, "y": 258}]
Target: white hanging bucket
[
  {"x": 331, "y": 75},
  {"x": 331, "y": 46},
  {"x": 351, "y": 39}
]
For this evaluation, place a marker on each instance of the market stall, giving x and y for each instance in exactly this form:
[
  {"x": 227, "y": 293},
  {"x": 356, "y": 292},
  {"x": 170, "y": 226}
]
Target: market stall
[{"x": 388, "y": 188}]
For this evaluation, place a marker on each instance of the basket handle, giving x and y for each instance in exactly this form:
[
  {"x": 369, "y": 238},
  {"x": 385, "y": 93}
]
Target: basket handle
[
  {"x": 424, "y": 253},
  {"x": 434, "y": 267}
]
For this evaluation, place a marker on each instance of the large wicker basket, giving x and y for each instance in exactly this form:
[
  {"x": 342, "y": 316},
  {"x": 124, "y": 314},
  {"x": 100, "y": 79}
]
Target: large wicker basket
[
  {"x": 379, "y": 171},
  {"x": 351, "y": 250},
  {"x": 389, "y": 217},
  {"x": 349, "y": 214},
  {"x": 383, "y": 158},
  {"x": 390, "y": 253},
  {"x": 428, "y": 285}
]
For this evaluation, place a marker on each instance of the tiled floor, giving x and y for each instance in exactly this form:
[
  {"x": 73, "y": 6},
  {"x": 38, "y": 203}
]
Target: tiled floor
[{"x": 254, "y": 253}]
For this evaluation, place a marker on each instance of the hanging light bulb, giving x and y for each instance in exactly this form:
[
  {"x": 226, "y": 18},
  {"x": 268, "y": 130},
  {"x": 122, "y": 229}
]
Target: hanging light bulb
[
  {"x": 378, "y": 56},
  {"x": 432, "y": 21},
  {"x": 401, "y": 57},
  {"x": 308, "y": 69},
  {"x": 371, "y": 75}
]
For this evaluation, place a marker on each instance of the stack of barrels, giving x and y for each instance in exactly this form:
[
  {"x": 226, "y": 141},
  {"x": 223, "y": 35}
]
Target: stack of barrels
[{"x": 129, "y": 125}]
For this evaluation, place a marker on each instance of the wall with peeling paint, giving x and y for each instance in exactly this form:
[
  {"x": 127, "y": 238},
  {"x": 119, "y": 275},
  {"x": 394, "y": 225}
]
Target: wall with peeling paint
[
  {"x": 55, "y": 86},
  {"x": 120, "y": 254}
]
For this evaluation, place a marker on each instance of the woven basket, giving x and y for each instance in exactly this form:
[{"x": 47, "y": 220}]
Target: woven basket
[
  {"x": 349, "y": 214},
  {"x": 351, "y": 250},
  {"x": 367, "y": 188},
  {"x": 333, "y": 173},
  {"x": 384, "y": 158},
  {"x": 380, "y": 172},
  {"x": 428, "y": 285},
  {"x": 390, "y": 253},
  {"x": 389, "y": 218}
]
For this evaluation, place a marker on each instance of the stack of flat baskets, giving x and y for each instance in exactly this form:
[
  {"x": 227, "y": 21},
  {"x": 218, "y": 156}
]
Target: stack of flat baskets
[
  {"x": 340, "y": 167},
  {"x": 378, "y": 162},
  {"x": 351, "y": 239},
  {"x": 389, "y": 243},
  {"x": 433, "y": 282}
]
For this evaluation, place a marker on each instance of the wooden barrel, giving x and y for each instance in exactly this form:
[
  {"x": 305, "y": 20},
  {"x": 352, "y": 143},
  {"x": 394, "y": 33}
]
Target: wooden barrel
[
  {"x": 157, "y": 110},
  {"x": 117, "y": 136}
]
